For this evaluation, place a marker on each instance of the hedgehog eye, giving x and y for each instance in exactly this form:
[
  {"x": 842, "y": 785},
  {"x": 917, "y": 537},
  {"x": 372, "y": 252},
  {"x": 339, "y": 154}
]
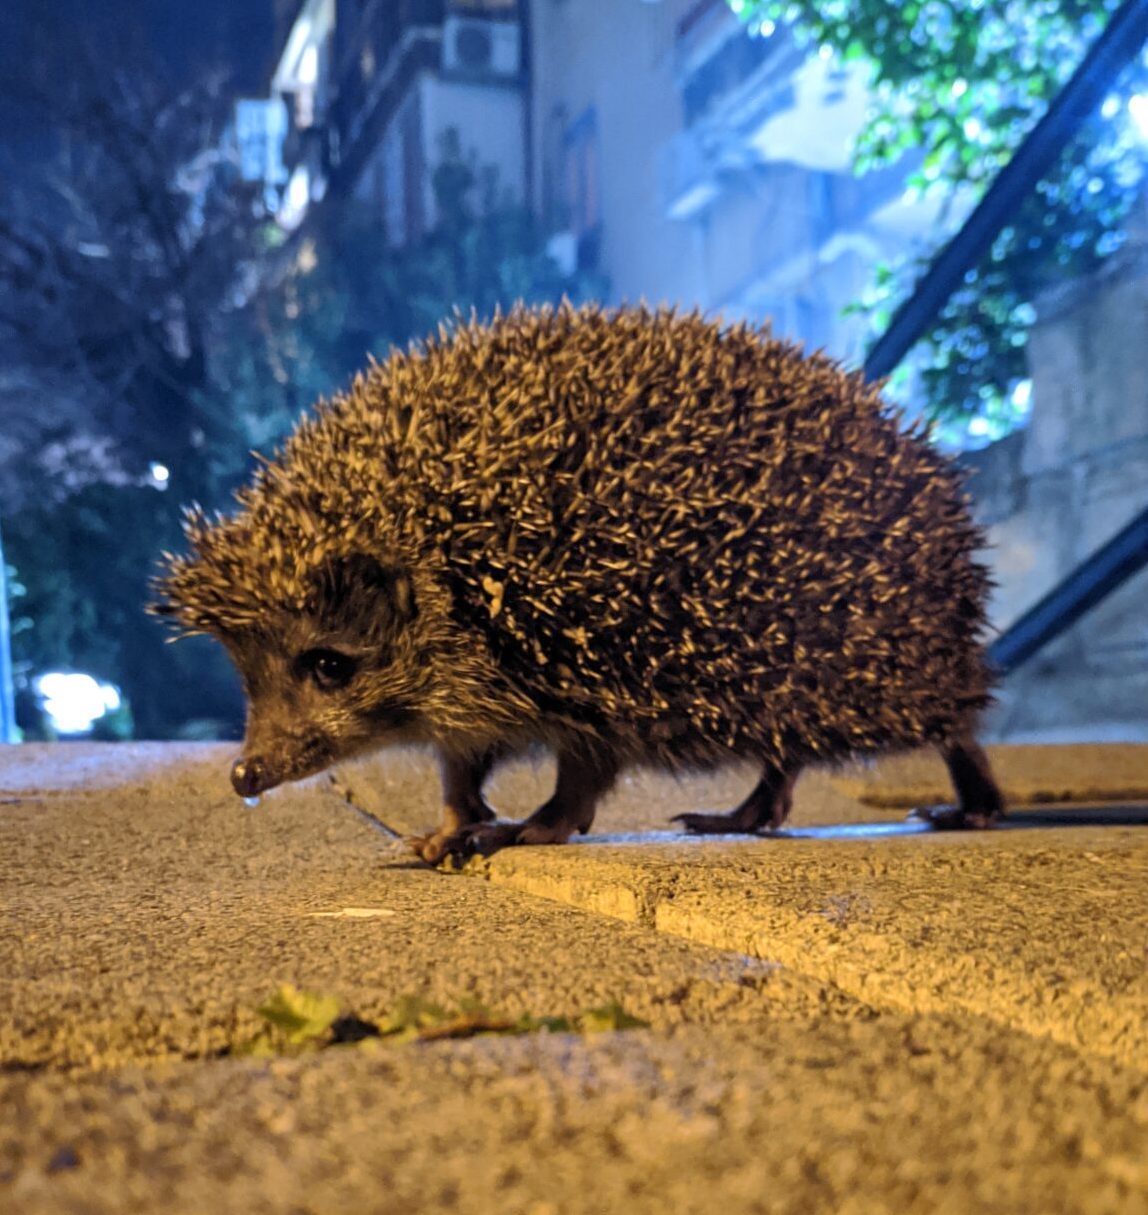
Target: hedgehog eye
[{"x": 329, "y": 669}]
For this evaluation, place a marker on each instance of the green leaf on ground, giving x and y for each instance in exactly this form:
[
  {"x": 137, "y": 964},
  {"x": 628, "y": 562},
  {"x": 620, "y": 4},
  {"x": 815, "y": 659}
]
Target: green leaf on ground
[
  {"x": 297, "y": 1021},
  {"x": 300, "y": 1016},
  {"x": 609, "y": 1016}
]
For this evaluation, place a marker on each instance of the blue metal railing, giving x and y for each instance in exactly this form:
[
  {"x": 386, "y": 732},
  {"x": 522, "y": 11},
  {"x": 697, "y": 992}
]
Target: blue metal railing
[{"x": 1109, "y": 567}]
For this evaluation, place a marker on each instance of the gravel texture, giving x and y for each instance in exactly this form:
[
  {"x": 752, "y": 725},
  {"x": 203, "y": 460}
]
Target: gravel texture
[{"x": 865, "y": 1020}]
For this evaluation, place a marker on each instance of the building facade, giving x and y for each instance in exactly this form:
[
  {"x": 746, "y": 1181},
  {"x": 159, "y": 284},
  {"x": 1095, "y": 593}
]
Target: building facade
[
  {"x": 699, "y": 163},
  {"x": 1050, "y": 495},
  {"x": 662, "y": 144},
  {"x": 375, "y": 88}
]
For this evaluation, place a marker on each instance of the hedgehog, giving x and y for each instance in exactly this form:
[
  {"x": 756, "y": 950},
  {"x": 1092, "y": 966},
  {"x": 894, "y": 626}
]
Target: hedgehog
[{"x": 627, "y": 537}]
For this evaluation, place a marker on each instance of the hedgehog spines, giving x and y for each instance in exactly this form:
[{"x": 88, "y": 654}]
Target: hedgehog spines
[{"x": 641, "y": 514}]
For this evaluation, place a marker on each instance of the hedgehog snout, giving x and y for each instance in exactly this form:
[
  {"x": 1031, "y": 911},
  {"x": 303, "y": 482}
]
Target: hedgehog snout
[{"x": 250, "y": 776}]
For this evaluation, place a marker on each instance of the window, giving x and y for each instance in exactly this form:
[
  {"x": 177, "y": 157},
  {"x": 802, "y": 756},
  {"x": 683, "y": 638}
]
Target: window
[
  {"x": 580, "y": 185},
  {"x": 485, "y": 8},
  {"x": 736, "y": 61}
]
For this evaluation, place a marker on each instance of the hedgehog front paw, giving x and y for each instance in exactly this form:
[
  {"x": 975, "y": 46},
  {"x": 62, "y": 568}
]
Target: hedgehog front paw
[
  {"x": 456, "y": 847},
  {"x": 431, "y": 848},
  {"x": 485, "y": 839}
]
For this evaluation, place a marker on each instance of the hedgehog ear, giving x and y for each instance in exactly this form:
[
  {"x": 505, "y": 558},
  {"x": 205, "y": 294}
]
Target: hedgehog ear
[{"x": 360, "y": 582}]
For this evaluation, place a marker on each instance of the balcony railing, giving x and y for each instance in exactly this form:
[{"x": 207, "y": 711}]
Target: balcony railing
[{"x": 375, "y": 65}]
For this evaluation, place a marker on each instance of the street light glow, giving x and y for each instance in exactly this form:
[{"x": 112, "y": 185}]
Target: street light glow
[
  {"x": 1138, "y": 109},
  {"x": 75, "y": 701}
]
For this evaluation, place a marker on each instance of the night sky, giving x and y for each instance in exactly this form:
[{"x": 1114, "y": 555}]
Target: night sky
[{"x": 185, "y": 38}]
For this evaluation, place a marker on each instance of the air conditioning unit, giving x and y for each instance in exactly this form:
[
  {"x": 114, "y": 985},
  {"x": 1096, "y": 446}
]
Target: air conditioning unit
[{"x": 479, "y": 46}]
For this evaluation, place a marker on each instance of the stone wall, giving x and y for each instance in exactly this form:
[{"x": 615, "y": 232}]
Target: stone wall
[{"x": 1053, "y": 493}]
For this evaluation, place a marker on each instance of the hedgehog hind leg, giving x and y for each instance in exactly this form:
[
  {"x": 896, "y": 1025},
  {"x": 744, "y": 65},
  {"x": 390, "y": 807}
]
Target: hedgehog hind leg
[
  {"x": 463, "y": 803},
  {"x": 585, "y": 774},
  {"x": 979, "y": 799},
  {"x": 768, "y": 805}
]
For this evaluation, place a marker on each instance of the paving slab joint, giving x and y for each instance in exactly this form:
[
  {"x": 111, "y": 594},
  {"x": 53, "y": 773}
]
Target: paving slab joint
[{"x": 905, "y": 965}]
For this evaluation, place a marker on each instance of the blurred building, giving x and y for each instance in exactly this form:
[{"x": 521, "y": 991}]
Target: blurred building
[
  {"x": 692, "y": 160},
  {"x": 663, "y": 144},
  {"x": 373, "y": 87},
  {"x": 686, "y": 159},
  {"x": 1051, "y": 494}
]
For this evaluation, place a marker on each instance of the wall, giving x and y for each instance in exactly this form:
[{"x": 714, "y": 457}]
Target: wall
[
  {"x": 1054, "y": 493},
  {"x": 615, "y": 57},
  {"x": 489, "y": 120},
  {"x": 396, "y": 179},
  {"x": 764, "y": 237}
]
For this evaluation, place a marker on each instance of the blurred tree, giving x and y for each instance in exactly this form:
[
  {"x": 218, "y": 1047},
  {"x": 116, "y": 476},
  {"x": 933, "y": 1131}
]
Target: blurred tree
[
  {"x": 342, "y": 293},
  {"x": 116, "y": 257},
  {"x": 157, "y": 329},
  {"x": 121, "y": 246},
  {"x": 961, "y": 85}
]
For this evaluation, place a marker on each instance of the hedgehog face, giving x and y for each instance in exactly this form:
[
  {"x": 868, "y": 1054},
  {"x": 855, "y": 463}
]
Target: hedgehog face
[{"x": 345, "y": 674}]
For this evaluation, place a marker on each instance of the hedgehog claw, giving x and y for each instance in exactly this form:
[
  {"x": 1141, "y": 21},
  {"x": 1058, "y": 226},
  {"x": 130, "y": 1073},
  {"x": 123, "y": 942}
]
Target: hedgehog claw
[
  {"x": 485, "y": 839},
  {"x": 429, "y": 848},
  {"x": 717, "y": 824}
]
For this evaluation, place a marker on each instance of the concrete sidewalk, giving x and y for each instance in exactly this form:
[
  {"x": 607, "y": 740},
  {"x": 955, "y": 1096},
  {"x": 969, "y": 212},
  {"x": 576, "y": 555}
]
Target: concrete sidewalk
[{"x": 861, "y": 1020}]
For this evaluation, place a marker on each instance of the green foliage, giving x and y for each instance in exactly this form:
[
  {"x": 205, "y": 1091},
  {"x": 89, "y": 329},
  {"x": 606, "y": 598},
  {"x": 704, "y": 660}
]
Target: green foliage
[
  {"x": 958, "y": 87},
  {"x": 606, "y": 1018},
  {"x": 299, "y": 1021}
]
